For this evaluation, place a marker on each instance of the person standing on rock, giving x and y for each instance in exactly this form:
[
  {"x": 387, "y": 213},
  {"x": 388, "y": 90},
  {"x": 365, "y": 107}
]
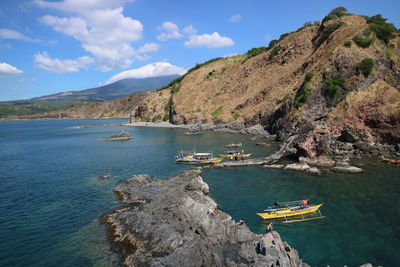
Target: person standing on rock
[{"x": 270, "y": 228}]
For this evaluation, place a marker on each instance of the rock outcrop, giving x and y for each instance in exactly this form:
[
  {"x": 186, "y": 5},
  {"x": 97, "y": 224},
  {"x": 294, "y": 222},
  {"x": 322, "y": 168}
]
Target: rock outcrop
[
  {"x": 173, "y": 222},
  {"x": 121, "y": 136}
]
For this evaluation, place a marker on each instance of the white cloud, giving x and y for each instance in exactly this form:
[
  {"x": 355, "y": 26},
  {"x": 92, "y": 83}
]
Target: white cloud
[
  {"x": 44, "y": 62},
  {"x": 79, "y": 6},
  {"x": 189, "y": 30},
  {"x": 151, "y": 70},
  {"x": 235, "y": 18},
  {"x": 11, "y": 34},
  {"x": 213, "y": 40},
  {"x": 100, "y": 27},
  {"x": 149, "y": 47},
  {"x": 6, "y": 69},
  {"x": 171, "y": 31}
]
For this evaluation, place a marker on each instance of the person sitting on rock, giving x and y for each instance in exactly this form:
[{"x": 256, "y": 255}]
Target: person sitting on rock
[
  {"x": 270, "y": 227},
  {"x": 210, "y": 211},
  {"x": 241, "y": 222}
]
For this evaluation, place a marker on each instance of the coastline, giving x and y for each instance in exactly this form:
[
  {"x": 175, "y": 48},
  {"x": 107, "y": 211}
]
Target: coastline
[{"x": 167, "y": 222}]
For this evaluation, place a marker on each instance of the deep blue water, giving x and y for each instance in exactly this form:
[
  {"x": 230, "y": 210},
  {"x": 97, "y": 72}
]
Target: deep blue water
[{"x": 50, "y": 198}]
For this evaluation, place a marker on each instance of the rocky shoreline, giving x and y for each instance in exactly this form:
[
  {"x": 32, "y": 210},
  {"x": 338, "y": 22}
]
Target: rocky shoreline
[{"x": 173, "y": 222}]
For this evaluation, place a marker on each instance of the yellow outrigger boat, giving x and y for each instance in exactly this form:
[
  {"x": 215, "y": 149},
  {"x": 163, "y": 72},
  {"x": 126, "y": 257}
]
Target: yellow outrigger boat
[
  {"x": 196, "y": 158},
  {"x": 234, "y": 154},
  {"x": 292, "y": 209}
]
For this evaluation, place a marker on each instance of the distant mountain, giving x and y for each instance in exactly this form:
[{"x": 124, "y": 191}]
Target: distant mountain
[
  {"x": 64, "y": 100},
  {"x": 111, "y": 91}
]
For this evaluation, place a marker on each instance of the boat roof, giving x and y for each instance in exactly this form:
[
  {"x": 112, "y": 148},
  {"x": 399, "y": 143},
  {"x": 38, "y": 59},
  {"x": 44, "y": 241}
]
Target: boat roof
[{"x": 202, "y": 154}]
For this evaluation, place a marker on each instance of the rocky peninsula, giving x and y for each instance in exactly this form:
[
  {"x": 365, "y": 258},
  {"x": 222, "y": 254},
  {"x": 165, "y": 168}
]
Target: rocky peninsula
[{"x": 174, "y": 222}]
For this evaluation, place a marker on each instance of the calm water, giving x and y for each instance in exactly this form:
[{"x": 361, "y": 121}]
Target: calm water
[{"x": 50, "y": 198}]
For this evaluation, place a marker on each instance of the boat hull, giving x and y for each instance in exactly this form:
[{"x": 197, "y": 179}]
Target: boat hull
[
  {"x": 235, "y": 155},
  {"x": 289, "y": 212},
  {"x": 197, "y": 161}
]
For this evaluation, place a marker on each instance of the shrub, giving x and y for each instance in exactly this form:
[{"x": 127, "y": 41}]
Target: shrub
[
  {"x": 272, "y": 43},
  {"x": 383, "y": 30},
  {"x": 145, "y": 119},
  {"x": 338, "y": 12},
  {"x": 165, "y": 117},
  {"x": 256, "y": 51},
  {"x": 334, "y": 87},
  {"x": 156, "y": 118},
  {"x": 365, "y": 66},
  {"x": 236, "y": 115},
  {"x": 335, "y": 13},
  {"x": 275, "y": 51},
  {"x": 215, "y": 115},
  {"x": 309, "y": 76},
  {"x": 347, "y": 44},
  {"x": 302, "y": 99},
  {"x": 362, "y": 41}
]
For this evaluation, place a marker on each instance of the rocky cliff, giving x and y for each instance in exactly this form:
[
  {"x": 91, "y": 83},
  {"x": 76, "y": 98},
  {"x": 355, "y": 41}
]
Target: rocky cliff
[
  {"x": 167, "y": 222},
  {"x": 322, "y": 82}
]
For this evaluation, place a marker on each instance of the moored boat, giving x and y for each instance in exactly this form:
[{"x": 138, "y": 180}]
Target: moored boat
[
  {"x": 284, "y": 210},
  {"x": 196, "y": 158},
  {"x": 234, "y": 154}
]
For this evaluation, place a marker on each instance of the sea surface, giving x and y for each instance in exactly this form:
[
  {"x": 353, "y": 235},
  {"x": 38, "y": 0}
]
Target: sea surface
[{"x": 51, "y": 199}]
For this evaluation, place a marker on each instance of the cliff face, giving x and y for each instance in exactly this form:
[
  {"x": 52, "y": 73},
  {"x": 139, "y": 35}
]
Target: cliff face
[{"x": 310, "y": 81}]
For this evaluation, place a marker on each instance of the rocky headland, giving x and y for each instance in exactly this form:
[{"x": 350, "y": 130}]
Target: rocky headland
[{"x": 174, "y": 222}]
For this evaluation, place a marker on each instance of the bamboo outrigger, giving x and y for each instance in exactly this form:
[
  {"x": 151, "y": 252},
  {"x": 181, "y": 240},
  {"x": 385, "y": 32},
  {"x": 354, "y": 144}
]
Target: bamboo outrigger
[{"x": 292, "y": 211}]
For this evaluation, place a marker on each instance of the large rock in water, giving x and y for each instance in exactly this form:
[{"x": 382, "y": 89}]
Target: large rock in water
[{"x": 167, "y": 223}]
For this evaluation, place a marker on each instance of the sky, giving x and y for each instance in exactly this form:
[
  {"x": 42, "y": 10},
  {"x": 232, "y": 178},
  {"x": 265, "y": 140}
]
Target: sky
[{"x": 48, "y": 47}]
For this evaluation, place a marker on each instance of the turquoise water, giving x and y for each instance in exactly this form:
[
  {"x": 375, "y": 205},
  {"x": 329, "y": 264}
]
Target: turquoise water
[
  {"x": 50, "y": 198},
  {"x": 362, "y": 211}
]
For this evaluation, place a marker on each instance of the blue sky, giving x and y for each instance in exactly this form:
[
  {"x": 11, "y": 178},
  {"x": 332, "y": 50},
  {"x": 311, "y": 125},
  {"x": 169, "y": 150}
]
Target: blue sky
[{"x": 48, "y": 47}]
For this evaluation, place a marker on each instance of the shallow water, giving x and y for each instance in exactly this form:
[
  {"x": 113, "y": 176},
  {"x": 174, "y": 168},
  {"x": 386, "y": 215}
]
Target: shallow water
[{"x": 50, "y": 198}]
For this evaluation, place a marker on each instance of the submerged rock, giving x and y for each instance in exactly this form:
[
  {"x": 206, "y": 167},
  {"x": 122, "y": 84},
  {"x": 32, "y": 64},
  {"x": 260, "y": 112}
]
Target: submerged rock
[
  {"x": 234, "y": 145},
  {"x": 123, "y": 135},
  {"x": 173, "y": 222},
  {"x": 105, "y": 177},
  {"x": 302, "y": 167},
  {"x": 349, "y": 169}
]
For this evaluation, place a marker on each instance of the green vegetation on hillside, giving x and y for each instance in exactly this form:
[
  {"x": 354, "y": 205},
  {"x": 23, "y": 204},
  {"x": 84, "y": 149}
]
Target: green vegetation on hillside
[
  {"x": 305, "y": 90},
  {"x": 347, "y": 44},
  {"x": 256, "y": 51},
  {"x": 365, "y": 66},
  {"x": 335, "y": 13},
  {"x": 334, "y": 88},
  {"x": 215, "y": 115},
  {"x": 26, "y": 107},
  {"x": 363, "y": 40},
  {"x": 383, "y": 30}
]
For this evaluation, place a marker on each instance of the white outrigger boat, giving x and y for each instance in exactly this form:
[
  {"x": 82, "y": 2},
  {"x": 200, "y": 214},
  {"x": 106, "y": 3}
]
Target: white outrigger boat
[
  {"x": 292, "y": 211},
  {"x": 196, "y": 158}
]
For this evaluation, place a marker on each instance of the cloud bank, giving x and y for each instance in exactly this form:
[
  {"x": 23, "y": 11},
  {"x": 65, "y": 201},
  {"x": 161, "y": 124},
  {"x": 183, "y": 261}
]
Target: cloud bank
[
  {"x": 151, "y": 70},
  {"x": 101, "y": 28}
]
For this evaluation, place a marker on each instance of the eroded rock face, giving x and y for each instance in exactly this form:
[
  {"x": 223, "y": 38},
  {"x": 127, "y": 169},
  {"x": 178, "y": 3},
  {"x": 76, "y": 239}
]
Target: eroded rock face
[
  {"x": 168, "y": 223},
  {"x": 313, "y": 146}
]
